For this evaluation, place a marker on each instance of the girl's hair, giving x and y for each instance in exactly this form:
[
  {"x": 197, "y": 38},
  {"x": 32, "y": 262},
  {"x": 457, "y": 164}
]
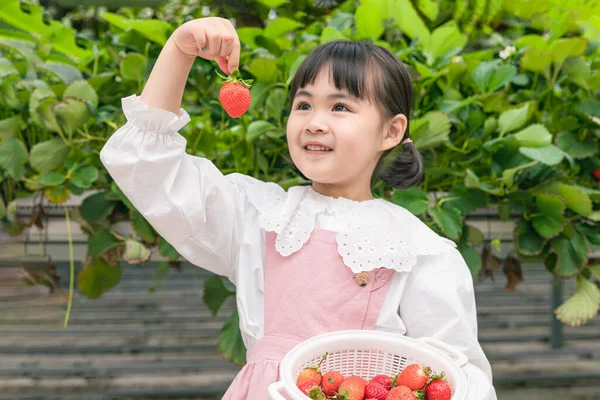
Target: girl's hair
[{"x": 370, "y": 72}]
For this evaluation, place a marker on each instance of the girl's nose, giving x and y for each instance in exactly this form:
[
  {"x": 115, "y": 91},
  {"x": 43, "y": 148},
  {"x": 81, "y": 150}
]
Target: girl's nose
[{"x": 317, "y": 126}]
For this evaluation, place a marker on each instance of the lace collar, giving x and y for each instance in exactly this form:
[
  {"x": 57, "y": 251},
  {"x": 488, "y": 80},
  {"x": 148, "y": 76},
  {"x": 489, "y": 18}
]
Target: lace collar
[{"x": 374, "y": 234}]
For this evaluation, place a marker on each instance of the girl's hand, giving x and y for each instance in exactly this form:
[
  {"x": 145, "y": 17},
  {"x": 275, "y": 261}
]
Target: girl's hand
[{"x": 212, "y": 39}]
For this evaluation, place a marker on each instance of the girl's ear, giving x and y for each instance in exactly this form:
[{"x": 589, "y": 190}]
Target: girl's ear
[{"x": 394, "y": 133}]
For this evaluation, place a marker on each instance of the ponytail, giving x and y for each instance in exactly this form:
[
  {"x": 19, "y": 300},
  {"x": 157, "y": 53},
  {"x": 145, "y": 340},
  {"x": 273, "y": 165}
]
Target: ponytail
[{"x": 406, "y": 169}]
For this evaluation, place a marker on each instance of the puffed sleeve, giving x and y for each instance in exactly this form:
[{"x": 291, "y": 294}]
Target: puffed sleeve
[
  {"x": 439, "y": 301},
  {"x": 185, "y": 198}
]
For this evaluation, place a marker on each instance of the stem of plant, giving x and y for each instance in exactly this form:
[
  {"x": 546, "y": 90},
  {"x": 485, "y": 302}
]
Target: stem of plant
[{"x": 71, "y": 265}]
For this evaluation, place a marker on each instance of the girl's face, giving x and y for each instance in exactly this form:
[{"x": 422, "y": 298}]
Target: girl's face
[{"x": 335, "y": 139}]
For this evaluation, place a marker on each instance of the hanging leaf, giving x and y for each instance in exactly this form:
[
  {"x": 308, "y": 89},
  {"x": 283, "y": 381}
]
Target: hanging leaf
[
  {"x": 166, "y": 250},
  {"x": 215, "y": 294},
  {"x": 102, "y": 241},
  {"x": 142, "y": 227},
  {"x": 231, "y": 344},
  {"x": 513, "y": 272},
  {"x": 489, "y": 262},
  {"x": 571, "y": 254},
  {"x": 97, "y": 206},
  {"x": 551, "y": 222},
  {"x": 472, "y": 258},
  {"x": 582, "y": 306},
  {"x": 528, "y": 241},
  {"x": 48, "y": 155},
  {"x": 13, "y": 157},
  {"x": 97, "y": 277}
]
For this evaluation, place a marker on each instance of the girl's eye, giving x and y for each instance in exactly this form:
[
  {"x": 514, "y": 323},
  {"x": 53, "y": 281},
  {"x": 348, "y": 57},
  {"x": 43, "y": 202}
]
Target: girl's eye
[
  {"x": 303, "y": 107},
  {"x": 340, "y": 107}
]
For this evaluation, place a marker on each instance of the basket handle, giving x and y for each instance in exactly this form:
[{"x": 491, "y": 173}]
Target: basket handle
[
  {"x": 457, "y": 356},
  {"x": 275, "y": 388}
]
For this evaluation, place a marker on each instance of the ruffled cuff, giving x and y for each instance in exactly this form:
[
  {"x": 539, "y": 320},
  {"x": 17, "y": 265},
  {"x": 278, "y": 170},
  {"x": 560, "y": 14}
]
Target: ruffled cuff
[{"x": 152, "y": 119}]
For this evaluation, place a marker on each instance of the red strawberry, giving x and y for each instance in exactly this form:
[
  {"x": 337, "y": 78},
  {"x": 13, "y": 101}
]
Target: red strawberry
[
  {"x": 353, "y": 388},
  {"x": 376, "y": 391},
  {"x": 438, "y": 389},
  {"x": 312, "y": 390},
  {"x": 311, "y": 374},
  {"x": 404, "y": 393},
  {"x": 414, "y": 376},
  {"x": 235, "y": 95},
  {"x": 383, "y": 380},
  {"x": 331, "y": 382},
  {"x": 596, "y": 173}
]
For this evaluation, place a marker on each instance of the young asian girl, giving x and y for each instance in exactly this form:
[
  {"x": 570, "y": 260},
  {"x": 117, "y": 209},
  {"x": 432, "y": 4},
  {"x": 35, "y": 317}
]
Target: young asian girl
[{"x": 312, "y": 259}]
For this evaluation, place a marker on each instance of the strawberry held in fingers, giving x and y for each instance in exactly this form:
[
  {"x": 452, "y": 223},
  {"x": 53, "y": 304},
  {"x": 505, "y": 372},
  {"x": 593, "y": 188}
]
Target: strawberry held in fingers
[
  {"x": 235, "y": 95},
  {"x": 414, "y": 376}
]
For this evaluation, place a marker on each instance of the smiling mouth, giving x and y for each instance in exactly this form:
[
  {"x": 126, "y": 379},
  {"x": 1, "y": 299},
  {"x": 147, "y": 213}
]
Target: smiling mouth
[{"x": 315, "y": 148}]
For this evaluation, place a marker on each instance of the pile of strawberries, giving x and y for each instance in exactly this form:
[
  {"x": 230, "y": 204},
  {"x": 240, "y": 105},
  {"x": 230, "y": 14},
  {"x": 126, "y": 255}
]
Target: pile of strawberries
[{"x": 415, "y": 382}]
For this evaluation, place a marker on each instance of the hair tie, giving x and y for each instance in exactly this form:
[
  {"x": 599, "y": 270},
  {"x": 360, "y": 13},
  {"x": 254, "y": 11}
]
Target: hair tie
[{"x": 407, "y": 140}]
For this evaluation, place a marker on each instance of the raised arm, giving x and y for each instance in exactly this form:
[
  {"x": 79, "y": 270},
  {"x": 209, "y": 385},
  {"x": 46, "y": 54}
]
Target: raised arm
[{"x": 185, "y": 198}]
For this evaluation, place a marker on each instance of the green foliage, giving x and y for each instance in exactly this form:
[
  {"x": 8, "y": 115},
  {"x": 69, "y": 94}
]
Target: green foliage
[{"x": 506, "y": 114}]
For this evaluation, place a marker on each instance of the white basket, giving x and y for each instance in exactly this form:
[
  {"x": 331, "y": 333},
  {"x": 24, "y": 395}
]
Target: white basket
[{"x": 369, "y": 353}]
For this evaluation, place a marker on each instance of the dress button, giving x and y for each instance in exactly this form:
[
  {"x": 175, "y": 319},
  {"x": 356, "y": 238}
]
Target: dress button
[{"x": 362, "y": 279}]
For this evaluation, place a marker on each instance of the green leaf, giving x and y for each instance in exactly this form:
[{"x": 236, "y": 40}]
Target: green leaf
[
  {"x": 535, "y": 60},
  {"x": 571, "y": 254},
  {"x": 84, "y": 177},
  {"x": 102, "y": 241},
  {"x": 408, "y": 20},
  {"x": 591, "y": 108},
  {"x": 231, "y": 344},
  {"x": 490, "y": 75},
  {"x": 369, "y": 22},
  {"x": 533, "y": 41},
  {"x": 474, "y": 236},
  {"x": 280, "y": 26},
  {"x": 97, "y": 277},
  {"x": 429, "y": 8},
  {"x": 501, "y": 76},
  {"x": 549, "y": 155},
  {"x": 257, "y": 128},
  {"x": 67, "y": 73},
  {"x": 136, "y": 252},
  {"x": 577, "y": 71},
  {"x": 535, "y": 135},
  {"x": 71, "y": 114},
  {"x": 142, "y": 227},
  {"x": 551, "y": 222},
  {"x": 582, "y": 306},
  {"x": 413, "y": 199},
  {"x": 166, "y": 250},
  {"x": 44, "y": 114},
  {"x": 561, "y": 49},
  {"x": 97, "y": 206},
  {"x": 133, "y": 67},
  {"x": 272, "y": 3},
  {"x": 513, "y": 119},
  {"x": 248, "y": 36},
  {"x": 276, "y": 102},
  {"x": 82, "y": 90},
  {"x": 528, "y": 242},
  {"x": 330, "y": 34},
  {"x": 595, "y": 271},
  {"x": 52, "y": 178},
  {"x": 13, "y": 156},
  {"x": 10, "y": 127},
  {"x": 2, "y": 208},
  {"x": 446, "y": 41},
  {"x": 264, "y": 69},
  {"x": 472, "y": 258},
  {"x": 155, "y": 30},
  {"x": 215, "y": 294},
  {"x": 573, "y": 196},
  {"x": 117, "y": 190},
  {"x": 569, "y": 143},
  {"x": 448, "y": 219},
  {"x": 434, "y": 132},
  {"x": 467, "y": 200}
]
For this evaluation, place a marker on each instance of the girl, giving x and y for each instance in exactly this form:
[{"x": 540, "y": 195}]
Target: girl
[{"x": 316, "y": 258}]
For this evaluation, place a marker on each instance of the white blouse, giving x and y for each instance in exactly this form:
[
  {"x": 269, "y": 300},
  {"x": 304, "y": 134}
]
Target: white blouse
[{"x": 218, "y": 222}]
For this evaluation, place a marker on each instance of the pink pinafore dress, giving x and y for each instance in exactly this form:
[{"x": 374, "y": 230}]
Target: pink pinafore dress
[{"x": 307, "y": 293}]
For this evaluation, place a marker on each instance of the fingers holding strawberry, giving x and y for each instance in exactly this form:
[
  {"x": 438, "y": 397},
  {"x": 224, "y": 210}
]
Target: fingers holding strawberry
[{"x": 212, "y": 39}]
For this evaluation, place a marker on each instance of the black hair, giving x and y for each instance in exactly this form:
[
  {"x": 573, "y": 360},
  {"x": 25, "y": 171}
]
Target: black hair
[{"x": 371, "y": 72}]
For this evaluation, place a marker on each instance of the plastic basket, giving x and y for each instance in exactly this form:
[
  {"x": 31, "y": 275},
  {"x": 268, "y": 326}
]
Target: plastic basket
[{"x": 369, "y": 353}]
